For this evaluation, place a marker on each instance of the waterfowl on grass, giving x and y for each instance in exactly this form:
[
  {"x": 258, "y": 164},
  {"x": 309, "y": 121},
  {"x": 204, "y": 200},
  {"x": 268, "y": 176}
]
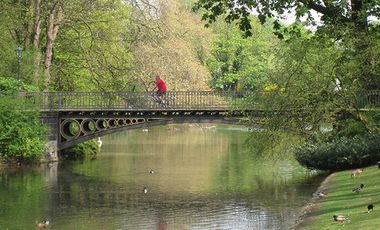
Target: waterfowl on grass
[
  {"x": 151, "y": 171},
  {"x": 370, "y": 208},
  {"x": 320, "y": 194},
  {"x": 339, "y": 218},
  {"x": 145, "y": 190},
  {"x": 356, "y": 172},
  {"x": 359, "y": 189},
  {"x": 43, "y": 224}
]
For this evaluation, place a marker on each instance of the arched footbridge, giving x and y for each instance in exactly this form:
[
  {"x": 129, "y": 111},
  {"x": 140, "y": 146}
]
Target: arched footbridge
[{"x": 77, "y": 117}]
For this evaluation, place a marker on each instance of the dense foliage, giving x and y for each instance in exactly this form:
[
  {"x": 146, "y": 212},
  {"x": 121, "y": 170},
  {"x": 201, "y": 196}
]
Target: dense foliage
[
  {"x": 341, "y": 153},
  {"x": 314, "y": 76},
  {"x": 238, "y": 63},
  {"x": 86, "y": 150},
  {"x": 22, "y": 136}
]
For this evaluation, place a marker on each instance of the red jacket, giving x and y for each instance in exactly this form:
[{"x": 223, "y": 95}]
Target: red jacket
[{"x": 161, "y": 85}]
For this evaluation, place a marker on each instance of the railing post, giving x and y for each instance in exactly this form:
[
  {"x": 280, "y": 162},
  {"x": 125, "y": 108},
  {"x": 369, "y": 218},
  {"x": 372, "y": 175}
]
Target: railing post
[{"x": 60, "y": 104}]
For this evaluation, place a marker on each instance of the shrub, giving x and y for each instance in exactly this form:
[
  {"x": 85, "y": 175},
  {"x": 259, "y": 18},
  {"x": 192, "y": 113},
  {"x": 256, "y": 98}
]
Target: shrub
[
  {"x": 341, "y": 153},
  {"x": 10, "y": 86},
  {"x": 86, "y": 150},
  {"x": 22, "y": 136}
]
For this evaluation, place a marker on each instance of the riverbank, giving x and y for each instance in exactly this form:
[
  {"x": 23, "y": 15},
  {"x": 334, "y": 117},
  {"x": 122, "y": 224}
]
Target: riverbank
[{"x": 340, "y": 200}]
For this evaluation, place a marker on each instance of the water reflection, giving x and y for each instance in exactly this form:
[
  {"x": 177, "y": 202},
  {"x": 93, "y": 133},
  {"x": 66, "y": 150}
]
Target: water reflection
[{"x": 204, "y": 179}]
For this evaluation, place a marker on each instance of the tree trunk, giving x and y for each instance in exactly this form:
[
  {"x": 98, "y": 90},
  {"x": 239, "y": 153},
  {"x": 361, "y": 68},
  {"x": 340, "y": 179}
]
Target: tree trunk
[
  {"x": 54, "y": 18},
  {"x": 36, "y": 41},
  {"x": 359, "y": 15}
]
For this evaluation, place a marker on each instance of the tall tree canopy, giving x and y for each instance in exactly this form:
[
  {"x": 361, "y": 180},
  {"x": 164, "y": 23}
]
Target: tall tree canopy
[
  {"x": 356, "y": 12},
  {"x": 347, "y": 22}
]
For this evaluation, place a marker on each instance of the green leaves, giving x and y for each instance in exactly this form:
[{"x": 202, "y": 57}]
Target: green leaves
[
  {"x": 240, "y": 63},
  {"x": 22, "y": 138},
  {"x": 341, "y": 153}
]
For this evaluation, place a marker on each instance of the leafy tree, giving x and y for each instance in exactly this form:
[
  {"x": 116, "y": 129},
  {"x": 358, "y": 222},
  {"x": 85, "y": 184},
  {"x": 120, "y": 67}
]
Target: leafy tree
[
  {"x": 92, "y": 51},
  {"x": 347, "y": 22},
  {"x": 22, "y": 137},
  {"x": 239, "y": 63},
  {"x": 355, "y": 12},
  {"x": 68, "y": 45},
  {"x": 167, "y": 39}
]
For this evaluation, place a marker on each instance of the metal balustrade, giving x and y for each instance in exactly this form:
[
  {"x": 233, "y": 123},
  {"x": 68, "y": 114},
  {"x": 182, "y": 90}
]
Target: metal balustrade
[{"x": 192, "y": 100}]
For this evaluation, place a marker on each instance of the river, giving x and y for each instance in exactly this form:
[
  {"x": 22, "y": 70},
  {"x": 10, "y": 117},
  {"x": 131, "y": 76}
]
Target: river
[{"x": 197, "y": 176}]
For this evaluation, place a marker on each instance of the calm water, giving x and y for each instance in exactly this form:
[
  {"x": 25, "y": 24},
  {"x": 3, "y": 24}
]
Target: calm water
[{"x": 204, "y": 178}]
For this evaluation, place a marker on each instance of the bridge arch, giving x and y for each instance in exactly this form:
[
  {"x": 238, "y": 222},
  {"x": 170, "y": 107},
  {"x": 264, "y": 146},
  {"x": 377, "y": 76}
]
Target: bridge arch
[{"x": 97, "y": 124}]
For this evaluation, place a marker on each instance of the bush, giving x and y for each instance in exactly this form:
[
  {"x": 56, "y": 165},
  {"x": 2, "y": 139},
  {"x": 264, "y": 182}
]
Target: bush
[
  {"x": 10, "y": 86},
  {"x": 22, "y": 135},
  {"x": 341, "y": 153},
  {"x": 86, "y": 150}
]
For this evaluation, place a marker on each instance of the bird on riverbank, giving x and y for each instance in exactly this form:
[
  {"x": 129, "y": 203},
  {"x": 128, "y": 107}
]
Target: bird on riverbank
[
  {"x": 356, "y": 172},
  {"x": 339, "y": 218},
  {"x": 99, "y": 142},
  {"x": 320, "y": 194},
  {"x": 145, "y": 190},
  {"x": 151, "y": 171},
  {"x": 359, "y": 189},
  {"x": 43, "y": 224},
  {"x": 370, "y": 208}
]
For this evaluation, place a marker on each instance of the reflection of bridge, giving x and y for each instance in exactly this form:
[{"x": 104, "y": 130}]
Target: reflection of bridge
[{"x": 76, "y": 117}]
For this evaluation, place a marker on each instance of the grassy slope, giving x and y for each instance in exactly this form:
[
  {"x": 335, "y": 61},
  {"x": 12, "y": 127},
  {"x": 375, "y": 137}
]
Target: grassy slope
[{"x": 341, "y": 201}]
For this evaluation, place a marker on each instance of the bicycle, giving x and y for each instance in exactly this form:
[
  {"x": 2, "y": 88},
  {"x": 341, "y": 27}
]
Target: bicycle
[{"x": 163, "y": 99}]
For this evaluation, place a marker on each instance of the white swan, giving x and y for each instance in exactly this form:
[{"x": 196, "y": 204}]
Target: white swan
[{"x": 99, "y": 142}]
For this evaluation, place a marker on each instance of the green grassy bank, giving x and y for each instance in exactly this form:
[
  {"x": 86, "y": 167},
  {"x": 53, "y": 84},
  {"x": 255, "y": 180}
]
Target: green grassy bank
[{"x": 340, "y": 200}]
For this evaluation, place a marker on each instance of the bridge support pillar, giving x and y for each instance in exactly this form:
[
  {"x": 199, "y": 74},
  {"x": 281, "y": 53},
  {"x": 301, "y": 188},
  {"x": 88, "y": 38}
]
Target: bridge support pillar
[
  {"x": 51, "y": 151},
  {"x": 50, "y": 119}
]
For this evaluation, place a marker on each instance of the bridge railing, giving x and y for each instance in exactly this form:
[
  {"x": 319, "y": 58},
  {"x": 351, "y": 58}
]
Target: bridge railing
[
  {"x": 132, "y": 100},
  {"x": 369, "y": 99},
  {"x": 189, "y": 100}
]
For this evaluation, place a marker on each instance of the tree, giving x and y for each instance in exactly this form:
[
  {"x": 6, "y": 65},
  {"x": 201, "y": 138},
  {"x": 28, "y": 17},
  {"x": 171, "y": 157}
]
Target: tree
[
  {"x": 344, "y": 21},
  {"x": 68, "y": 45},
  {"x": 356, "y": 12},
  {"x": 53, "y": 21},
  {"x": 238, "y": 63},
  {"x": 167, "y": 39},
  {"x": 92, "y": 50}
]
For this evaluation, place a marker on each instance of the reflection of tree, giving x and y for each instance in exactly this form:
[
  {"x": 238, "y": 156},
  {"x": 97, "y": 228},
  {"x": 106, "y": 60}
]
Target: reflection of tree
[
  {"x": 278, "y": 188},
  {"x": 22, "y": 197}
]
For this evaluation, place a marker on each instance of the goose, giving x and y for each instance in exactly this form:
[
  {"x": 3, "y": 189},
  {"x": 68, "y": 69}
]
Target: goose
[
  {"x": 359, "y": 189},
  {"x": 151, "y": 171},
  {"x": 370, "y": 208},
  {"x": 145, "y": 190},
  {"x": 320, "y": 194},
  {"x": 356, "y": 172},
  {"x": 99, "y": 142},
  {"x": 339, "y": 218},
  {"x": 43, "y": 224}
]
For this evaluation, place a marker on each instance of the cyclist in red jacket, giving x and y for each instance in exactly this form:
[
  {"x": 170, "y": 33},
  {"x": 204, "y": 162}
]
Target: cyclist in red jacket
[{"x": 161, "y": 89}]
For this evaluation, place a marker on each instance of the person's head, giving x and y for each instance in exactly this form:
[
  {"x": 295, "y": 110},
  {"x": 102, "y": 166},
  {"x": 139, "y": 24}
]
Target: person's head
[{"x": 157, "y": 77}]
